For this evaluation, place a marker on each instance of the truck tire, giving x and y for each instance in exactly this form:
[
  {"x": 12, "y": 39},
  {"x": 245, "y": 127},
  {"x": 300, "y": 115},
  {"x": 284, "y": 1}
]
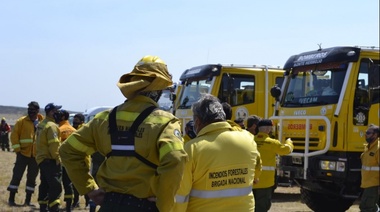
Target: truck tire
[{"x": 319, "y": 202}]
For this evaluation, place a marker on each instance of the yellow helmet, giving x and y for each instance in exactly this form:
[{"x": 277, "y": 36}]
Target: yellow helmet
[
  {"x": 149, "y": 74},
  {"x": 150, "y": 59}
]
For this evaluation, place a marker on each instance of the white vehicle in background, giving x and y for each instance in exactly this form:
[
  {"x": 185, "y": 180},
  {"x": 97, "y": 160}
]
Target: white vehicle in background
[
  {"x": 166, "y": 102},
  {"x": 71, "y": 118},
  {"x": 91, "y": 112}
]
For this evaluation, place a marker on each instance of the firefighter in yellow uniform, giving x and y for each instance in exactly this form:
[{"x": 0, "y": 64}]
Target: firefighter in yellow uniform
[
  {"x": 23, "y": 140},
  {"x": 66, "y": 130},
  {"x": 370, "y": 171},
  {"x": 223, "y": 163},
  {"x": 144, "y": 148},
  {"x": 47, "y": 157},
  {"x": 78, "y": 122},
  {"x": 268, "y": 149}
]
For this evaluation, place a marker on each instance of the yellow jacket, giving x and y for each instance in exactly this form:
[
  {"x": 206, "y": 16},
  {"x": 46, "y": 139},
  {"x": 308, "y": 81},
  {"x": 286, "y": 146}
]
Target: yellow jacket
[
  {"x": 66, "y": 129},
  {"x": 268, "y": 149},
  {"x": 158, "y": 139},
  {"x": 234, "y": 125},
  {"x": 23, "y": 136},
  {"x": 186, "y": 138},
  {"x": 222, "y": 166},
  {"x": 370, "y": 165},
  {"x": 48, "y": 140}
]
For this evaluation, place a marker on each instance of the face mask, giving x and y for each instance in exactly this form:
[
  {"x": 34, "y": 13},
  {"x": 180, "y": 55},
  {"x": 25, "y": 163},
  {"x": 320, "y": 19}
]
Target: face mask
[
  {"x": 191, "y": 134},
  {"x": 32, "y": 113},
  {"x": 369, "y": 140},
  {"x": 75, "y": 124},
  {"x": 57, "y": 117}
]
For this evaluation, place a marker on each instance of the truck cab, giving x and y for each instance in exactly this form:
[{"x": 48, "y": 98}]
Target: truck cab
[
  {"x": 245, "y": 88},
  {"x": 328, "y": 99}
]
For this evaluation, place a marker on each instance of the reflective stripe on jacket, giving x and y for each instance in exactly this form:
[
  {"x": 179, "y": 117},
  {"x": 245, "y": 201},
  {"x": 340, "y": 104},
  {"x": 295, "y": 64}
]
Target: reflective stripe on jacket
[
  {"x": 222, "y": 165},
  {"x": 370, "y": 165},
  {"x": 23, "y": 136}
]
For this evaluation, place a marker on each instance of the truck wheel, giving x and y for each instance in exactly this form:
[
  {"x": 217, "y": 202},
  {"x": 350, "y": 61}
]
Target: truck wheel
[{"x": 319, "y": 202}]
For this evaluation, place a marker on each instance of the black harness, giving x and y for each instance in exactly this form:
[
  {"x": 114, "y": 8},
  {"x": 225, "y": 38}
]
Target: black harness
[{"x": 123, "y": 142}]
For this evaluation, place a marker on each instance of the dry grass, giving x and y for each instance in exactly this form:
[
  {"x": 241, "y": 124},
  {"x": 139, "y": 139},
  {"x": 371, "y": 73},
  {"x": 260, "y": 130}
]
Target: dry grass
[
  {"x": 7, "y": 160},
  {"x": 284, "y": 200}
]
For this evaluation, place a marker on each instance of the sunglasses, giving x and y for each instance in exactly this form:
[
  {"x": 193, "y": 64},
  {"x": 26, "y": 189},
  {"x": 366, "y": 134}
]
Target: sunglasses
[{"x": 368, "y": 133}]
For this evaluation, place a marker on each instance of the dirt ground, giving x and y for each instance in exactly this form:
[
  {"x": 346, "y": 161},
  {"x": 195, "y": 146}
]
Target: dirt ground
[
  {"x": 284, "y": 199},
  {"x": 289, "y": 199}
]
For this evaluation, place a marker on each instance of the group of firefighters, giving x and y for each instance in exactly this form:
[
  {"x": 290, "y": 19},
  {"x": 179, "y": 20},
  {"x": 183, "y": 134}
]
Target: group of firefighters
[
  {"x": 145, "y": 164},
  {"x": 34, "y": 157}
]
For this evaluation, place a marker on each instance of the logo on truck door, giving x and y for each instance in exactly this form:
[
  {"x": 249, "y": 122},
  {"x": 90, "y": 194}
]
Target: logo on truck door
[{"x": 241, "y": 113}]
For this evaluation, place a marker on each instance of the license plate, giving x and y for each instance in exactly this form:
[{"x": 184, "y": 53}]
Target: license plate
[{"x": 297, "y": 160}]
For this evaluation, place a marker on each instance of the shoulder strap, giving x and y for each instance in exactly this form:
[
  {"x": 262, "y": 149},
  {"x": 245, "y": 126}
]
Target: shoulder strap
[
  {"x": 113, "y": 131},
  {"x": 141, "y": 118},
  {"x": 112, "y": 127}
]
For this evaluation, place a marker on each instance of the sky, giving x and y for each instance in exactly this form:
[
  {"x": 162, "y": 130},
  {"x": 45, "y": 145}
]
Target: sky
[{"x": 73, "y": 52}]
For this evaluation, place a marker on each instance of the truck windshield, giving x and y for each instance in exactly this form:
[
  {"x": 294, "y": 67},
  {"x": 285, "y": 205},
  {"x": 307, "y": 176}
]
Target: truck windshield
[
  {"x": 320, "y": 85},
  {"x": 192, "y": 91}
]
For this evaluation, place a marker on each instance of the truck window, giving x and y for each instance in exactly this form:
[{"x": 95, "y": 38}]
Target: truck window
[
  {"x": 279, "y": 81},
  {"x": 374, "y": 84},
  {"x": 237, "y": 89},
  {"x": 315, "y": 85},
  {"x": 192, "y": 91}
]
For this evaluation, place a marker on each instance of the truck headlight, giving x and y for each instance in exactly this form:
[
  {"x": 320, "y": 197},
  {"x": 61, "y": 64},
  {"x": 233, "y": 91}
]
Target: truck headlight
[
  {"x": 332, "y": 165},
  {"x": 327, "y": 165},
  {"x": 340, "y": 166}
]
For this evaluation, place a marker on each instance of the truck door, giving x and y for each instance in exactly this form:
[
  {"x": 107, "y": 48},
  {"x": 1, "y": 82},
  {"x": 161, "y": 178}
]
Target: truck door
[
  {"x": 238, "y": 90},
  {"x": 365, "y": 103},
  {"x": 374, "y": 91}
]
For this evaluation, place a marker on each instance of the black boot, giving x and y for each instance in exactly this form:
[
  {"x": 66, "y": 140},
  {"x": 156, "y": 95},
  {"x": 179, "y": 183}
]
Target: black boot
[
  {"x": 68, "y": 205},
  {"x": 75, "y": 203},
  {"x": 54, "y": 208},
  {"x": 92, "y": 206},
  {"x": 43, "y": 208},
  {"x": 11, "y": 200},
  {"x": 28, "y": 197}
]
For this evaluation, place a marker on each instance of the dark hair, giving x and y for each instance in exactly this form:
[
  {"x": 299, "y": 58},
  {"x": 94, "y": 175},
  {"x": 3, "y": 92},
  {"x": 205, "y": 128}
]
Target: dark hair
[
  {"x": 80, "y": 116},
  {"x": 208, "y": 109},
  {"x": 239, "y": 120},
  {"x": 34, "y": 105},
  {"x": 64, "y": 114},
  {"x": 227, "y": 110},
  {"x": 251, "y": 120}
]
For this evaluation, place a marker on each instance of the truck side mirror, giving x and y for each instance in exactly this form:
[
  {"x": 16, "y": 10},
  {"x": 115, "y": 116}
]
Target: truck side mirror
[{"x": 275, "y": 92}]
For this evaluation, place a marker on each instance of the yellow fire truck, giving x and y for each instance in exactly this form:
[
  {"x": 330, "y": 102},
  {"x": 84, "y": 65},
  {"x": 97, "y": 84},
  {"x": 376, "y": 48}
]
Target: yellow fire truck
[
  {"x": 328, "y": 99},
  {"x": 245, "y": 88}
]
